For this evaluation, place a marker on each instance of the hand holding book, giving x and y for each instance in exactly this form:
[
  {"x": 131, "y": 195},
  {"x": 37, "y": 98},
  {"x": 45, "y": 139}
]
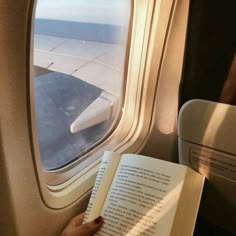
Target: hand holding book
[{"x": 139, "y": 195}]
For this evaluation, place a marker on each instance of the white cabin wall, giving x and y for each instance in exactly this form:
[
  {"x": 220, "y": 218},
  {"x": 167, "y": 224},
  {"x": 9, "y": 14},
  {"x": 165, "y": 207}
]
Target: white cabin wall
[
  {"x": 162, "y": 141},
  {"x": 21, "y": 206},
  {"x": 22, "y": 211}
]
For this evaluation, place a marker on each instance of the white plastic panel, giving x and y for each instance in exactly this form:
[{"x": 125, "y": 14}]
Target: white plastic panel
[{"x": 207, "y": 134}]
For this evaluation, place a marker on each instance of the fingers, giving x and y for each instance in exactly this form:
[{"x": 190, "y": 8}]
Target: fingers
[
  {"x": 89, "y": 228},
  {"x": 77, "y": 220},
  {"x": 76, "y": 228}
]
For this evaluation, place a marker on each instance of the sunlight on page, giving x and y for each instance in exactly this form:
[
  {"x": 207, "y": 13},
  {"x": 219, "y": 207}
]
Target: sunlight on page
[
  {"x": 139, "y": 195},
  {"x": 105, "y": 175},
  {"x": 161, "y": 221},
  {"x": 143, "y": 197}
]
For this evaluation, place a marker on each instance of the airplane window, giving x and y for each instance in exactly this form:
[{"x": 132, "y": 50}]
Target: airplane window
[{"x": 79, "y": 58}]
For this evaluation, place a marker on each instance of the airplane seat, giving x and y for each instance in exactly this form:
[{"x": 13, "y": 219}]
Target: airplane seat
[
  {"x": 207, "y": 128},
  {"x": 207, "y": 143}
]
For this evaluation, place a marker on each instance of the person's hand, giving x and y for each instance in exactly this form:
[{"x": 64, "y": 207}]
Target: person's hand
[{"x": 76, "y": 228}]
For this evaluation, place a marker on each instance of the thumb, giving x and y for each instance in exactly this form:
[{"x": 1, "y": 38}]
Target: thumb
[{"x": 90, "y": 228}]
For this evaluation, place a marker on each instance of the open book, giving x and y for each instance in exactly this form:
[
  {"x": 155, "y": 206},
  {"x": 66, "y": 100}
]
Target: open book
[{"x": 139, "y": 195}]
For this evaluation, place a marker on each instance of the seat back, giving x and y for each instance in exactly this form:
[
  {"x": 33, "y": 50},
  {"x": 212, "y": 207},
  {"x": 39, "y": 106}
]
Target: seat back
[{"x": 207, "y": 143}]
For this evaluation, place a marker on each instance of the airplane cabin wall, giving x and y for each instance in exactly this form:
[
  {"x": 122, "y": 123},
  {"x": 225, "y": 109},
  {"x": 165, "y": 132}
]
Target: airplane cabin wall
[{"x": 22, "y": 211}]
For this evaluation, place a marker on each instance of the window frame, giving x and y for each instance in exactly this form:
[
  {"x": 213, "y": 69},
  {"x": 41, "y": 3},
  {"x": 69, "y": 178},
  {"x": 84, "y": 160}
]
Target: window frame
[{"x": 148, "y": 36}]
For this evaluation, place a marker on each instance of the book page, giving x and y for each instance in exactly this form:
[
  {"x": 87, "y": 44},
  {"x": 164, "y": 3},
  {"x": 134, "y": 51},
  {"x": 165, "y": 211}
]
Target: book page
[
  {"x": 107, "y": 169},
  {"x": 188, "y": 205},
  {"x": 143, "y": 197}
]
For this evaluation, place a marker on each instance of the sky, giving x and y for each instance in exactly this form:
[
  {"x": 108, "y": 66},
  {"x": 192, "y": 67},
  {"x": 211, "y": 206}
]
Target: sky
[{"x": 96, "y": 11}]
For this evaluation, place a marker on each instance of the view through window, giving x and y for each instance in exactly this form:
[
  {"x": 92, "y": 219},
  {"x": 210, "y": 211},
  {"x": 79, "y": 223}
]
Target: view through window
[{"x": 79, "y": 59}]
